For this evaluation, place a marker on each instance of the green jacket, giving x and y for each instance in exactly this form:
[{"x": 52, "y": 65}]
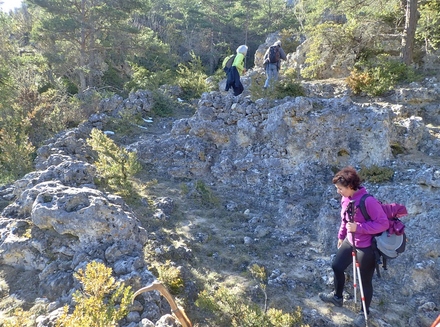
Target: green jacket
[{"x": 239, "y": 63}]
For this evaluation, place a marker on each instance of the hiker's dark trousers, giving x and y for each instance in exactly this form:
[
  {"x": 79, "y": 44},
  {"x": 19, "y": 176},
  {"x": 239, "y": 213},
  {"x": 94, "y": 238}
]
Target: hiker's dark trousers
[{"x": 367, "y": 262}]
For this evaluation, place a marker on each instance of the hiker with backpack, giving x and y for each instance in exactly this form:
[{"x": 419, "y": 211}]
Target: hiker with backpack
[
  {"x": 271, "y": 62},
  {"x": 234, "y": 68},
  {"x": 356, "y": 235}
]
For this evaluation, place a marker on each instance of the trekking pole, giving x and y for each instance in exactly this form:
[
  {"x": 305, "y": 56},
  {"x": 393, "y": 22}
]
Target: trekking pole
[
  {"x": 356, "y": 266},
  {"x": 350, "y": 211},
  {"x": 436, "y": 322}
]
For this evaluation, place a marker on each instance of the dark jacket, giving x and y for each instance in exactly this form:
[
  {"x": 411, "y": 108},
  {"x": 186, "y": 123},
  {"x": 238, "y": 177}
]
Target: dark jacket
[{"x": 233, "y": 80}]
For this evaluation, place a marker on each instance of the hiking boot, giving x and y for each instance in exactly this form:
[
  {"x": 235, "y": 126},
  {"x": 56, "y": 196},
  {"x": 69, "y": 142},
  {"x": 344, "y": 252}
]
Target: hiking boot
[
  {"x": 331, "y": 298},
  {"x": 359, "y": 321}
]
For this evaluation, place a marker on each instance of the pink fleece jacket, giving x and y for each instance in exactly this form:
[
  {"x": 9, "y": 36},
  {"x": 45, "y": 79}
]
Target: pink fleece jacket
[{"x": 365, "y": 229}]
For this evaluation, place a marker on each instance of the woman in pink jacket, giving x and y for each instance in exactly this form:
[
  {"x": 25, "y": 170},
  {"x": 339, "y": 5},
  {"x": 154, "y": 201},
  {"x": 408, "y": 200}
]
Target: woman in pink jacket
[{"x": 348, "y": 185}]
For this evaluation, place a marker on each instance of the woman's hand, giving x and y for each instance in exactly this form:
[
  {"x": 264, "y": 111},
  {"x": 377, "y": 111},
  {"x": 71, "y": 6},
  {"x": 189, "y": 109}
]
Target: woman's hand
[
  {"x": 340, "y": 243},
  {"x": 351, "y": 227}
]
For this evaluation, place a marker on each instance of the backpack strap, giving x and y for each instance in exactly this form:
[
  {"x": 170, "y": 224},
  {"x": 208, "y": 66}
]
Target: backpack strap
[
  {"x": 363, "y": 208},
  {"x": 377, "y": 253}
]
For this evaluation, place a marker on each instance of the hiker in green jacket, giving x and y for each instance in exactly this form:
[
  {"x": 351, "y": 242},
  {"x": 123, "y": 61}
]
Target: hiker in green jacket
[
  {"x": 234, "y": 72},
  {"x": 239, "y": 59}
]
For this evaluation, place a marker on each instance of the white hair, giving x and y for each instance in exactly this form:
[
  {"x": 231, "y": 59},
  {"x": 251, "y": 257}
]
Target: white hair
[{"x": 242, "y": 49}]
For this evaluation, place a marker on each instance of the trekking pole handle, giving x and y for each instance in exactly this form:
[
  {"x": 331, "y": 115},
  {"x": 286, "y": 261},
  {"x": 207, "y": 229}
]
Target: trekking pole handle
[{"x": 351, "y": 210}]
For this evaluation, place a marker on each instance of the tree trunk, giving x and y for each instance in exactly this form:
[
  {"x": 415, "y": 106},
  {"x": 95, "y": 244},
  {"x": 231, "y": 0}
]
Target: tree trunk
[
  {"x": 409, "y": 32},
  {"x": 82, "y": 56}
]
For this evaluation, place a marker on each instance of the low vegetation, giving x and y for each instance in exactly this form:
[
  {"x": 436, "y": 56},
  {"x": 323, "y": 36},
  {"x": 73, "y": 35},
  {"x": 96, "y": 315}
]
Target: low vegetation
[
  {"x": 287, "y": 85},
  {"x": 230, "y": 309},
  {"x": 376, "y": 174},
  {"x": 101, "y": 302},
  {"x": 378, "y": 76}
]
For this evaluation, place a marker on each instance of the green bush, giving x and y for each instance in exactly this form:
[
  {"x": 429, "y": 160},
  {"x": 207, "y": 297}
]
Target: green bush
[
  {"x": 171, "y": 277},
  {"x": 192, "y": 78},
  {"x": 229, "y": 309},
  {"x": 259, "y": 273},
  {"x": 332, "y": 37},
  {"x": 113, "y": 78},
  {"x": 376, "y": 174},
  {"x": 114, "y": 164},
  {"x": 397, "y": 149},
  {"x": 378, "y": 75},
  {"x": 20, "y": 318},
  {"x": 163, "y": 104},
  {"x": 16, "y": 154},
  {"x": 285, "y": 86},
  {"x": 144, "y": 79},
  {"x": 205, "y": 194},
  {"x": 256, "y": 87},
  {"x": 102, "y": 302}
]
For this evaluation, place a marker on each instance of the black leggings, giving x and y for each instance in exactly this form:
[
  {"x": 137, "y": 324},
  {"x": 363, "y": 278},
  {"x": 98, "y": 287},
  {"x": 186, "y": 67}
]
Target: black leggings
[{"x": 367, "y": 262}]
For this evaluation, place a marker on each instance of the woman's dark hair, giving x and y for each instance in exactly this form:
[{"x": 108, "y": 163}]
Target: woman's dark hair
[{"x": 347, "y": 177}]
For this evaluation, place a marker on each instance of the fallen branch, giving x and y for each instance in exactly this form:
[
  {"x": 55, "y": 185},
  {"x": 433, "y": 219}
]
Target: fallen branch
[{"x": 177, "y": 310}]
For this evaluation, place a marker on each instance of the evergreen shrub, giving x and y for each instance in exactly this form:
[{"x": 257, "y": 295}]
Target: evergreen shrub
[
  {"x": 376, "y": 174},
  {"x": 144, "y": 79},
  {"x": 20, "y": 318},
  {"x": 102, "y": 302},
  {"x": 114, "y": 164},
  {"x": 288, "y": 86},
  {"x": 285, "y": 86},
  {"x": 192, "y": 78},
  {"x": 171, "y": 277},
  {"x": 206, "y": 196},
  {"x": 163, "y": 104}
]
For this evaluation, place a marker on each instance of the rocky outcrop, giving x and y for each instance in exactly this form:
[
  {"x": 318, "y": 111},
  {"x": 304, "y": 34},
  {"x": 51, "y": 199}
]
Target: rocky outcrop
[{"x": 59, "y": 221}]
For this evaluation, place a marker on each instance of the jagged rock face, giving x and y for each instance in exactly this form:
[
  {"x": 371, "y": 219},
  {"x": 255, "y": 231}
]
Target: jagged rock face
[
  {"x": 59, "y": 222},
  {"x": 257, "y": 146}
]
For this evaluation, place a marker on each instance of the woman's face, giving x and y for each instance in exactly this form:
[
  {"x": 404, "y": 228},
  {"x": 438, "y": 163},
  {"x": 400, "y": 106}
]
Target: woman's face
[{"x": 344, "y": 190}]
